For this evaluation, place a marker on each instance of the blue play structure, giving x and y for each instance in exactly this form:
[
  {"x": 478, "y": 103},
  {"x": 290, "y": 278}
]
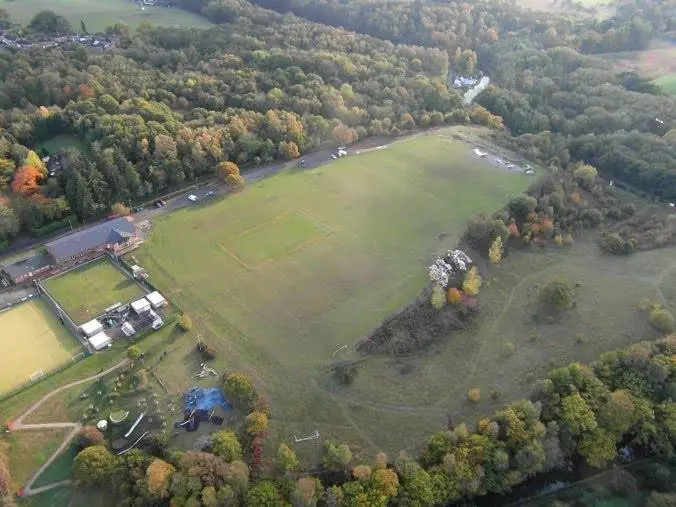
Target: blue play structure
[
  {"x": 200, "y": 405},
  {"x": 205, "y": 398}
]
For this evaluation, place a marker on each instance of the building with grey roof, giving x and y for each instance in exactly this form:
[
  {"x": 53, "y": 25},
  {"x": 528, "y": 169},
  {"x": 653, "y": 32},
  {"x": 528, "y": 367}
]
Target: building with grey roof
[
  {"x": 27, "y": 269},
  {"x": 113, "y": 235}
]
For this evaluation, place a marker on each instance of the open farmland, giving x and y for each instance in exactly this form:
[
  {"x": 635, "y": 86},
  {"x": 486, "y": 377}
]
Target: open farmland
[
  {"x": 357, "y": 237},
  {"x": 32, "y": 340},
  {"x": 98, "y": 14},
  {"x": 85, "y": 292}
]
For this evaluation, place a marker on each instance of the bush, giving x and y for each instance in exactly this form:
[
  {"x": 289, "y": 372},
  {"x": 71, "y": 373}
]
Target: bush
[
  {"x": 240, "y": 391},
  {"x": 522, "y": 206},
  {"x": 88, "y": 436},
  {"x": 133, "y": 352},
  {"x": 184, "y": 323},
  {"x": 591, "y": 217},
  {"x": 474, "y": 395},
  {"x": 662, "y": 320},
  {"x": 557, "y": 294}
]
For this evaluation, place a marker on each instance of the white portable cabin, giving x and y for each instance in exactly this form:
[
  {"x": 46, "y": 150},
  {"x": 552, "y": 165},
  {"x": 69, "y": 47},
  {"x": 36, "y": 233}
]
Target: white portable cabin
[
  {"x": 156, "y": 300},
  {"x": 100, "y": 340},
  {"x": 141, "y": 306},
  {"x": 91, "y": 328}
]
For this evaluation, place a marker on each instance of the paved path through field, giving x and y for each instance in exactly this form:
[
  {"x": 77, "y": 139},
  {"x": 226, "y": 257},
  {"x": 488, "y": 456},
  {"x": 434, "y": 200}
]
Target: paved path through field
[{"x": 18, "y": 425}]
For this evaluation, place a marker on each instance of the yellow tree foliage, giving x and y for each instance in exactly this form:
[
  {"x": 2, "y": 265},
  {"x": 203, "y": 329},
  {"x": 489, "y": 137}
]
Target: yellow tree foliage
[
  {"x": 34, "y": 160},
  {"x": 235, "y": 180},
  {"x": 225, "y": 169},
  {"x": 472, "y": 282},
  {"x": 381, "y": 461},
  {"x": 453, "y": 296},
  {"x": 256, "y": 423},
  {"x": 438, "y": 298},
  {"x": 289, "y": 150},
  {"x": 361, "y": 472},
  {"x": 495, "y": 251},
  {"x": 386, "y": 481},
  {"x": 158, "y": 476}
]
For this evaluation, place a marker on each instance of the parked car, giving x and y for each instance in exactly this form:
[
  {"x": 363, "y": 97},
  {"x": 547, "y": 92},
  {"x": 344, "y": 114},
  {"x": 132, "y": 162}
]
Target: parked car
[
  {"x": 210, "y": 193},
  {"x": 192, "y": 198}
]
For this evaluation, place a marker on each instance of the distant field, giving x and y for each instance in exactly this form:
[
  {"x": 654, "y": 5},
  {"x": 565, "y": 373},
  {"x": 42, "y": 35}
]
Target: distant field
[
  {"x": 667, "y": 83},
  {"x": 62, "y": 141},
  {"x": 97, "y": 14},
  {"x": 32, "y": 339},
  {"x": 657, "y": 61},
  {"x": 86, "y": 292},
  {"x": 281, "y": 275}
]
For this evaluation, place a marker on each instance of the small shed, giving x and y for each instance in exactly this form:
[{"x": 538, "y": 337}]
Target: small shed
[
  {"x": 91, "y": 328},
  {"x": 100, "y": 340},
  {"x": 156, "y": 300},
  {"x": 141, "y": 306}
]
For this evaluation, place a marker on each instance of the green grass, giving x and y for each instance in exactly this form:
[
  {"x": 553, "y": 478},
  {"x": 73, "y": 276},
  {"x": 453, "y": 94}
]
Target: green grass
[
  {"x": 667, "y": 83},
  {"x": 32, "y": 340},
  {"x": 65, "y": 496},
  {"x": 269, "y": 240},
  {"x": 61, "y": 141},
  {"x": 97, "y": 14},
  {"x": 85, "y": 292},
  {"x": 60, "y": 469},
  {"x": 352, "y": 246}
]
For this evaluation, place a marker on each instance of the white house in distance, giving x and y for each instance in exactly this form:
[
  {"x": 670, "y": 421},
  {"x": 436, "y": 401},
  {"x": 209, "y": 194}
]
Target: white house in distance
[
  {"x": 156, "y": 300},
  {"x": 100, "y": 340},
  {"x": 91, "y": 328},
  {"x": 141, "y": 306}
]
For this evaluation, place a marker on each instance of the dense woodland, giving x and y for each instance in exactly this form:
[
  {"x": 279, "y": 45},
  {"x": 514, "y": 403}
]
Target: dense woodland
[{"x": 166, "y": 106}]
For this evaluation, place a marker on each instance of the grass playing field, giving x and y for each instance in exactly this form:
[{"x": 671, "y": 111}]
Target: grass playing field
[
  {"x": 97, "y": 14},
  {"x": 279, "y": 276},
  {"x": 32, "y": 340},
  {"x": 84, "y": 293},
  {"x": 667, "y": 83}
]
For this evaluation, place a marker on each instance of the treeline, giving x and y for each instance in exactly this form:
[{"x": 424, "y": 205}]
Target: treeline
[
  {"x": 570, "y": 105},
  {"x": 542, "y": 83},
  {"x": 167, "y": 106},
  {"x": 580, "y": 413}
]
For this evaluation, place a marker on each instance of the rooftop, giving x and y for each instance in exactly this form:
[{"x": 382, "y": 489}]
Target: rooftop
[
  {"x": 30, "y": 265},
  {"x": 112, "y": 231}
]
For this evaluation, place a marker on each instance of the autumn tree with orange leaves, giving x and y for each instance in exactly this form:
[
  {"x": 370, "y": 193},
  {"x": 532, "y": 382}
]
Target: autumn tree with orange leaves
[{"x": 26, "y": 180}]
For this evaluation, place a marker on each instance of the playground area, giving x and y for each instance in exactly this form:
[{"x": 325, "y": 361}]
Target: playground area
[
  {"x": 34, "y": 343},
  {"x": 85, "y": 292}
]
